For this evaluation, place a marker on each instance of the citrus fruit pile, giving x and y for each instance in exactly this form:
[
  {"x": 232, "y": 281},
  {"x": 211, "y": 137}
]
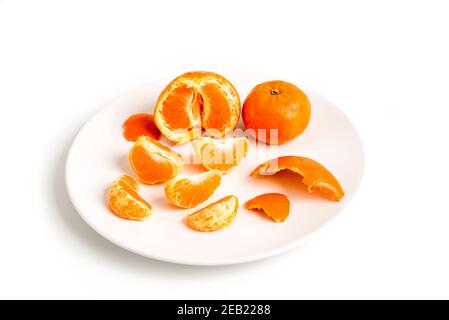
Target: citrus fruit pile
[{"x": 202, "y": 108}]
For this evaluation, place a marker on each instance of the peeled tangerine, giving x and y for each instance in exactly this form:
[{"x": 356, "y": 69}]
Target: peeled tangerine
[
  {"x": 274, "y": 205},
  {"x": 315, "y": 176},
  {"x": 195, "y": 101},
  {"x": 220, "y": 154},
  {"x": 124, "y": 200},
  {"x": 215, "y": 216},
  {"x": 154, "y": 162},
  {"x": 188, "y": 192}
]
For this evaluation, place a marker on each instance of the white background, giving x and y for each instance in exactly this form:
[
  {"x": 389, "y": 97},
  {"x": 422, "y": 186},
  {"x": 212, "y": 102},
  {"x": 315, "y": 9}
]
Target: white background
[{"x": 385, "y": 63}]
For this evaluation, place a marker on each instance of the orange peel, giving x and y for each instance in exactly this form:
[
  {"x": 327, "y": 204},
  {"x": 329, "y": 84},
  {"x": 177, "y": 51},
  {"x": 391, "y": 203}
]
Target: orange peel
[
  {"x": 140, "y": 124},
  {"x": 274, "y": 205},
  {"x": 315, "y": 176}
]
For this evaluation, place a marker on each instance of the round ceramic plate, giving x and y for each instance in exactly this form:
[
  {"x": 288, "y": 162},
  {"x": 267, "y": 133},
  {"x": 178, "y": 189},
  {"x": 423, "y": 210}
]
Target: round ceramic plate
[{"x": 99, "y": 155}]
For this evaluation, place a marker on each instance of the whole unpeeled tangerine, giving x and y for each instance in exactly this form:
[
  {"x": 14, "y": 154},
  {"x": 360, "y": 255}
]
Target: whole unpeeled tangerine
[{"x": 276, "y": 111}]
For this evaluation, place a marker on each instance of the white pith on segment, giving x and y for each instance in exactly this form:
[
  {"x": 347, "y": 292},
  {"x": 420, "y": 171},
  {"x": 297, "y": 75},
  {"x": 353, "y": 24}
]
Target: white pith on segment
[
  {"x": 236, "y": 147},
  {"x": 215, "y": 216},
  {"x": 124, "y": 200},
  {"x": 155, "y": 150}
]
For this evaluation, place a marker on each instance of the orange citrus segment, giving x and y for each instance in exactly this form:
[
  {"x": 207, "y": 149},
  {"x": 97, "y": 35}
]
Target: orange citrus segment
[
  {"x": 274, "y": 205},
  {"x": 215, "y": 216},
  {"x": 197, "y": 100},
  {"x": 217, "y": 114},
  {"x": 181, "y": 108},
  {"x": 141, "y": 124},
  {"x": 315, "y": 176},
  {"x": 154, "y": 162},
  {"x": 222, "y": 155},
  {"x": 124, "y": 200},
  {"x": 188, "y": 192}
]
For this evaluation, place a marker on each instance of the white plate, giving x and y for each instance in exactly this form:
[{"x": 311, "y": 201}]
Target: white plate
[{"x": 99, "y": 155}]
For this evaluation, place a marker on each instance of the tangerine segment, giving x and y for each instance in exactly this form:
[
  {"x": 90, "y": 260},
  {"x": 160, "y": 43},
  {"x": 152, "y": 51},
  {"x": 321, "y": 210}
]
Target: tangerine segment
[
  {"x": 154, "y": 162},
  {"x": 215, "y": 216},
  {"x": 188, "y": 192},
  {"x": 181, "y": 108},
  {"x": 197, "y": 100},
  {"x": 124, "y": 200},
  {"x": 315, "y": 176},
  {"x": 274, "y": 205},
  {"x": 222, "y": 155},
  {"x": 141, "y": 124},
  {"x": 217, "y": 114}
]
